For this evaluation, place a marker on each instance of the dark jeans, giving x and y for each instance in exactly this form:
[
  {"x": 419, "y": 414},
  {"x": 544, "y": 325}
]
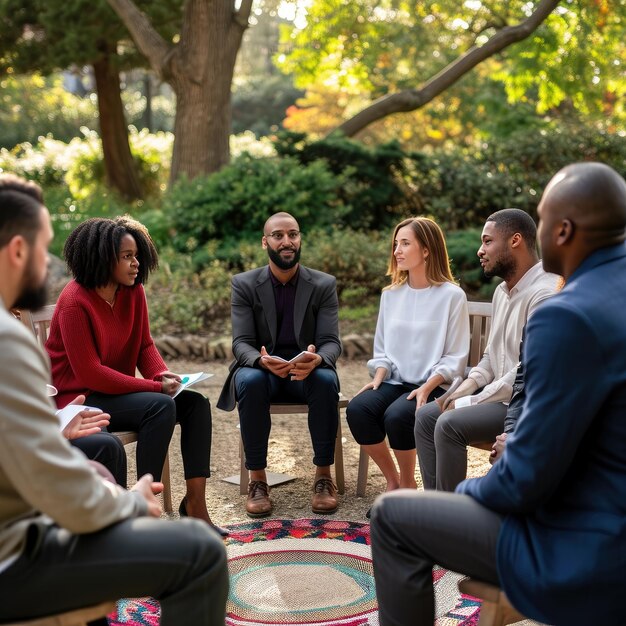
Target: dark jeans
[
  {"x": 106, "y": 449},
  {"x": 442, "y": 439},
  {"x": 414, "y": 530},
  {"x": 385, "y": 411},
  {"x": 182, "y": 564},
  {"x": 153, "y": 417},
  {"x": 256, "y": 389}
]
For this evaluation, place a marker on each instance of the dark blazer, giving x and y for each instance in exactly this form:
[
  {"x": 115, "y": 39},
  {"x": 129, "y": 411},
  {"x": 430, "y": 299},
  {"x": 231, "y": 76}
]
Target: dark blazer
[
  {"x": 253, "y": 313},
  {"x": 561, "y": 483}
]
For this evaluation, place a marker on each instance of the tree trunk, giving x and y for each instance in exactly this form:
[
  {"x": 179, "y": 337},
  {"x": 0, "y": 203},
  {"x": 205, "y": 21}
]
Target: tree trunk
[
  {"x": 200, "y": 70},
  {"x": 120, "y": 168}
]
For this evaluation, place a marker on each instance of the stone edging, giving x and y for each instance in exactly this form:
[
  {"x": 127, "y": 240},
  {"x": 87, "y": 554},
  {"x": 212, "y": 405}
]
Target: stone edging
[{"x": 194, "y": 347}]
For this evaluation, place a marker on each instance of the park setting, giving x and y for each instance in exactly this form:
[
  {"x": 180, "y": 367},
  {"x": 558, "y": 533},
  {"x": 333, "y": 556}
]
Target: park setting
[{"x": 183, "y": 147}]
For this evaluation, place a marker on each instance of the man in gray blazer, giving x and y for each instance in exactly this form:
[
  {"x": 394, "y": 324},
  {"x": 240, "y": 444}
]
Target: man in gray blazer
[
  {"x": 68, "y": 538},
  {"x": 280, "y": 311}
]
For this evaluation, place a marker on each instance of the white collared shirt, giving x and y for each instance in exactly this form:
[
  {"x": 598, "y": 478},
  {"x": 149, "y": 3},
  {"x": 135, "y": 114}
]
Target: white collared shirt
[{"x": 510, "y": 312}]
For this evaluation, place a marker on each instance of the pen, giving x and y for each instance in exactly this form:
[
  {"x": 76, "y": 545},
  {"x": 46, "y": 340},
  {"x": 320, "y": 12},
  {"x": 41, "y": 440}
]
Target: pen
[{"x": 184, "y": 380}]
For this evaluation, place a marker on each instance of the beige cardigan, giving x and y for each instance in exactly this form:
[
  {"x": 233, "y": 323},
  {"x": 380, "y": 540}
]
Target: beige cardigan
[{"x": 42, "y": 478}]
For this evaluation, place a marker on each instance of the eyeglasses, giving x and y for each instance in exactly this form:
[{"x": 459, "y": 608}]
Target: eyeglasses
[{"x": 278, "y": 235}]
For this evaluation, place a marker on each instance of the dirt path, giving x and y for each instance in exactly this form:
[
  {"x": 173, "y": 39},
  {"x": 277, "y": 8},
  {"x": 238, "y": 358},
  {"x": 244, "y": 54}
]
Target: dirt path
[{"x": 290, "y": 453}]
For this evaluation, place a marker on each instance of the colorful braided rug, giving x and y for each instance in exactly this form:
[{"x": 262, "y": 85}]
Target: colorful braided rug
[{"x": 305, "y": 572}]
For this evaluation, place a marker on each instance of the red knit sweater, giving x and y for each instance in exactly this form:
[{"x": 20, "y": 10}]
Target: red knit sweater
[{"x": 94, "y": 347}]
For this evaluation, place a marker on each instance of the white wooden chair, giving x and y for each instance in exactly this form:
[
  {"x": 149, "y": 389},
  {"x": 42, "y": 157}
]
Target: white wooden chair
[{"x": 39, "y": 323}]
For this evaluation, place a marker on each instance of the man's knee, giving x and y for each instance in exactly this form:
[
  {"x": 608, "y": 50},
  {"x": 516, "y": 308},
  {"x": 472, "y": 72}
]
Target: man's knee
[
  {"x": 446, "y": 428},
  {"x": 250, "y": 380},
  {"x": 426, "y": 419},
  {"x": 324, "y": 381}
]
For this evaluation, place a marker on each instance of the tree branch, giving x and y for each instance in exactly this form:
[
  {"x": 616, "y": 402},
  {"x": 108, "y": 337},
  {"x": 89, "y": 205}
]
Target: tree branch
[
  {"x": 146, "y": 38},
  {"x": 413, "y": 99}
]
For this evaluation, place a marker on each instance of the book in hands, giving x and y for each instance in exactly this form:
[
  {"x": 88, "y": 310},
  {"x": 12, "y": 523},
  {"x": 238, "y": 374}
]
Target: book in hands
[
  {"x": 303, "y": 356},
  {"x": 191, "y": 379}
]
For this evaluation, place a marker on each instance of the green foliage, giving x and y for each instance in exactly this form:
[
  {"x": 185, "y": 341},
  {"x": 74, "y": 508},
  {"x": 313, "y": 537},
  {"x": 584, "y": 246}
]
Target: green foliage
[
  {"x": 366, "y": 49},
  {"x": 62, "y": 33},
  {"x": 461, "y": 188},
  {"x": 181, "y": 300},
  {"x": 234, "y": 203},
  {"x": 259, "y": 104},
  {"x": 78, "y": 165},
  {"x": 373, "y": 193},
  {"x": 33, "y": 106}
]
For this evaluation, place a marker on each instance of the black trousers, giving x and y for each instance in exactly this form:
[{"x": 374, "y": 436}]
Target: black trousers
[
  {"x": 106, "y": 449},
  {"x": 414, "y": 530},
  {"x": 256, "y": 389},
  {"x": 182, "y": 564},
  {"x": 375, "y": 413},
  {"x": 153, "y": 417}
]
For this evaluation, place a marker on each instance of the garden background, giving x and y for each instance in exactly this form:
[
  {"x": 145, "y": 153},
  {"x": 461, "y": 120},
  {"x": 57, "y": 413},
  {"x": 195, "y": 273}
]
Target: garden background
[{"x": 351, "y": 116}]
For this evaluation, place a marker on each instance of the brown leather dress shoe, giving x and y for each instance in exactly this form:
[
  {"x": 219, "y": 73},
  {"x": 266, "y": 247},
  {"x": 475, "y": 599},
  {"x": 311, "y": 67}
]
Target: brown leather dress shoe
[
  {"x": 258, "y": 503},
  {"x": 324, "y": 501}
]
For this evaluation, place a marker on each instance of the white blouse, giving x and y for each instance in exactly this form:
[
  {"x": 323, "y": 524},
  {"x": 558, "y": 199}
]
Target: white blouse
[{"x": 420, "y": 333}]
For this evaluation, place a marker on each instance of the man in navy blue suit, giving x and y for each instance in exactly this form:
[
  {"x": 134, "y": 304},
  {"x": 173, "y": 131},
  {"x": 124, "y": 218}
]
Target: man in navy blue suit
[{"x": 548, "y": 521}]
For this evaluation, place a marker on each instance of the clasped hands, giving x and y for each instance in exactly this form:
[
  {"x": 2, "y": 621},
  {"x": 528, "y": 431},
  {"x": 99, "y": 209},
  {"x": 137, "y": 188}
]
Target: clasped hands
[{"x": 296, "y": 371}]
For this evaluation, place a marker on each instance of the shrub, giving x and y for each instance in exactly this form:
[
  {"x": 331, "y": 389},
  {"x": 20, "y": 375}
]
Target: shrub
[
  {"x": 234, "y": 203},
  {"x": 375, "y": 188}
]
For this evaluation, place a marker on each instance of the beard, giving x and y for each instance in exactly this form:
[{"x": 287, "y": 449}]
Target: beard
[
  {"x": 275, "y": 257},
  {"x": 503, "y": 268},
  {"x": 32, "y": 298}
]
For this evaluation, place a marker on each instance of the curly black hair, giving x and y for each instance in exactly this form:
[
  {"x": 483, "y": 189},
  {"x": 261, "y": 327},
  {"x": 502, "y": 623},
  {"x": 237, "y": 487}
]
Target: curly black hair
[{"x": 91, "y": 251}]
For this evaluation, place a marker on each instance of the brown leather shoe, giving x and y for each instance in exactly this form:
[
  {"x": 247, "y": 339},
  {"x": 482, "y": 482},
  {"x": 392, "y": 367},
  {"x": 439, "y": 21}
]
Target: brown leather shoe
[
  {"x": 324, "y": 501},
  {"x": 258, "y": 503}
]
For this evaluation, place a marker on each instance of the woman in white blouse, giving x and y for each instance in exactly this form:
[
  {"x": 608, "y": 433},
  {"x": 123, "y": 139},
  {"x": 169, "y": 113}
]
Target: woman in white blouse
[{"x": 421, "y": 345}]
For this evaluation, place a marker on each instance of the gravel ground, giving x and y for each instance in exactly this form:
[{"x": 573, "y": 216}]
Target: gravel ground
[{"x": 290, "y": 453}]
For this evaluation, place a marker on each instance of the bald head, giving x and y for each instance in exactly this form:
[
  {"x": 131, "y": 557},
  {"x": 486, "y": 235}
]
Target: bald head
[
  {"x": 583, "y": 208},
  {"x": 281, "y": 216}
]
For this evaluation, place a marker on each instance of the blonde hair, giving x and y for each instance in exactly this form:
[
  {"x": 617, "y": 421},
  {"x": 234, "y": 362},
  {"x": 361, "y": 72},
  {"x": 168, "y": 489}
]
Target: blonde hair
[{"x": 430, "y": 237}]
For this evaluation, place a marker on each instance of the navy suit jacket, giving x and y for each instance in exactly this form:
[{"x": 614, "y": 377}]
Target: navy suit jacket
[
  {"x": 253, "y": 313},
  {"x": 561, "y": 483}
]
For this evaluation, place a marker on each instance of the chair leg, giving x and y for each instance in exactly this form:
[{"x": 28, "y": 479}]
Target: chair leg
[
  {"x": 339, "y": 476},
  {"x": 361, "y": 481},
  {"x": 167, "y": 484},
  {"x": 243, "y": 472}
]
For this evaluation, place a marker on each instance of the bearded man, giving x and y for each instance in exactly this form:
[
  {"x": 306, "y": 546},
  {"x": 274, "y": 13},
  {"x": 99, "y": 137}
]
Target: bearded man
[{"x": 280, "y": 311}]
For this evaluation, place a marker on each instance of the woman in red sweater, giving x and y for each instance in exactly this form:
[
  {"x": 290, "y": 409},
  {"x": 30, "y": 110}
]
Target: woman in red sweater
[{"x": 99, "y": 337}]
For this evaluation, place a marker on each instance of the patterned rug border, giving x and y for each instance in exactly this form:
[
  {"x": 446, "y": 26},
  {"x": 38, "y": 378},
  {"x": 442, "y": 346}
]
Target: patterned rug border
[{"x": 462, "y": 612}]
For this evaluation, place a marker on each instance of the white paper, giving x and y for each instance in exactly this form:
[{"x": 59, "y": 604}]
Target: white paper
[
  {"x": 191, "y": 379},
  {"x": 295, "y": 359},
  {"x": 68, "y": 413}
]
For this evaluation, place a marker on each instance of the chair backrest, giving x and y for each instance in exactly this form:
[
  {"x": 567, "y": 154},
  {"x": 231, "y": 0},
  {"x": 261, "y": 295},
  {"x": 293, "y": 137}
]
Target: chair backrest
[
  {"x": 38, "y": 322},
  {"x": 480, "y": 324}
]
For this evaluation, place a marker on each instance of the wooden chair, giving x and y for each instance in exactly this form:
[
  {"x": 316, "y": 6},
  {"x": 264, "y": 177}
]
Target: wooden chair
[
  {"x": 480, "y": 324},
  {"x": 496, "y": 610},
  {"x": 287, "y": 409},
  {"x": 78, "y": 617},
  {"x": 39, "y": 323}
]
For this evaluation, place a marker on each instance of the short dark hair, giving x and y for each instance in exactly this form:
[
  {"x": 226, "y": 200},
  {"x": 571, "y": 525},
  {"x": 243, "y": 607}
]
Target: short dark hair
[
  {"x": 511, "y": 221},
  {"x": 20, "y": 208},
  {"x": 91, "y": 251}
]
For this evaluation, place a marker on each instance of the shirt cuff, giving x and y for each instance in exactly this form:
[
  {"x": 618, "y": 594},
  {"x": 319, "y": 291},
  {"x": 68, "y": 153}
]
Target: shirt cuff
[{"x": 461, "y": 403}]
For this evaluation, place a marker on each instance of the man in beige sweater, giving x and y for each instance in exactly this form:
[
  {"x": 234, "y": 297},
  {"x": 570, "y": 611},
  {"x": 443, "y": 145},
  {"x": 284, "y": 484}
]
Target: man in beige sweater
[{"x": 68, "y": 538}]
